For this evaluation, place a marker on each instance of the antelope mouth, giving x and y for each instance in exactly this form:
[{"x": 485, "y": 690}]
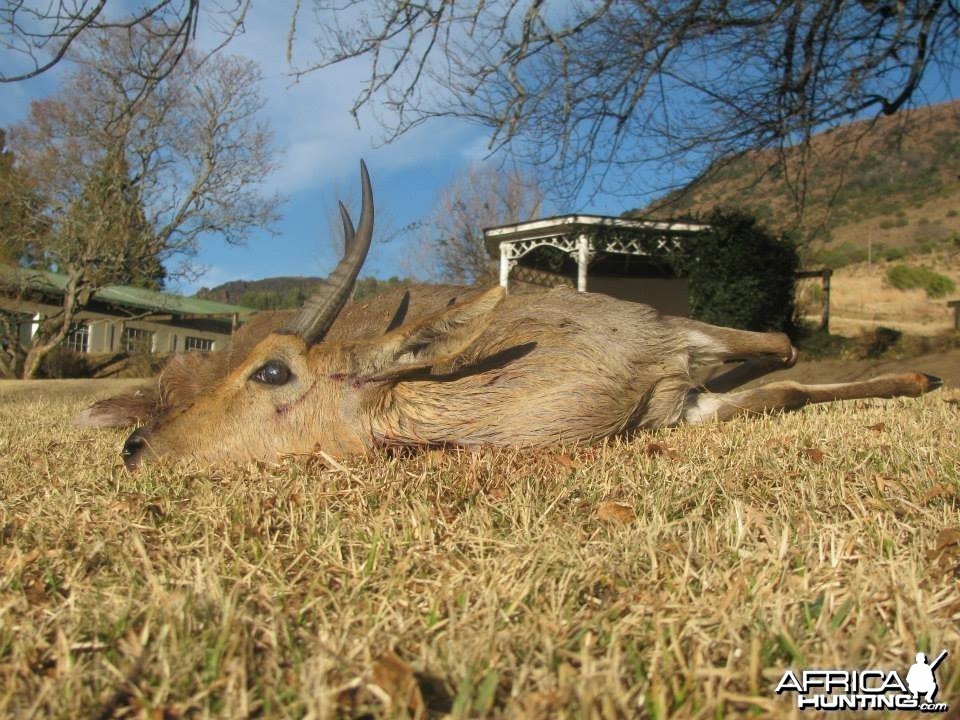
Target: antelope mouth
[{"x": 134, "y": 448}]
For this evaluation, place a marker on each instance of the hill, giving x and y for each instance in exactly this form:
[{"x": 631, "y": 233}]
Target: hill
[
  {"x": 255, "y": 293},
  {"x": 287, "y": 292},
  {"x": 884, "y": 188}
]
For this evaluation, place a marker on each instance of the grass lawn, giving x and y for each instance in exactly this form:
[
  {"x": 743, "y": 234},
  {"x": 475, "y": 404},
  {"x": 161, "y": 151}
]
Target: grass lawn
[{"x": 670, "y": 575}]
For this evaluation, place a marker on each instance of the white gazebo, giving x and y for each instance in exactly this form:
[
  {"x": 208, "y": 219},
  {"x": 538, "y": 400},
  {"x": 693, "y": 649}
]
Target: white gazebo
[{"x": 579, "y": 237}]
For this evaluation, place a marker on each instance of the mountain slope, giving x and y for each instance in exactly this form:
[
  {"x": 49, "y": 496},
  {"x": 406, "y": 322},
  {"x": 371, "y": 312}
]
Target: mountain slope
[
  {"x": 886, "y": 187},
  {"x": 233, "y": 291},
  {"x": 288, "y": 291}
]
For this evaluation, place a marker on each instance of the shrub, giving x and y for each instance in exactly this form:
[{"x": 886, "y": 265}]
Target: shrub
[
  {"x": 62, "y": 362},
  {"x": 877, "y": 342},
  {"x": 896, "y": 222},
  {"x": 817, "y": 344},
  {"x": 894, "y": 253},
  {"x": 741, "y": 275},
  {"x": 908, "y": 277},
  {"x": 837, "y": 257}
]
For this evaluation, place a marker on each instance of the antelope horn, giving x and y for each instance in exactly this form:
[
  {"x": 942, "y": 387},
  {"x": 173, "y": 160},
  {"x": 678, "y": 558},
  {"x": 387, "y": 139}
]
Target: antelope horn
[
  {"x": 321, "y": 309},
  {"x": 348, "y": 232}
]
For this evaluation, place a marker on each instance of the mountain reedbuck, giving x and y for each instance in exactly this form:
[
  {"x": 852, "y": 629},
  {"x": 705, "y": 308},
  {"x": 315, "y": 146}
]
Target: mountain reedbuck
[{"x": 450, "y": 366}]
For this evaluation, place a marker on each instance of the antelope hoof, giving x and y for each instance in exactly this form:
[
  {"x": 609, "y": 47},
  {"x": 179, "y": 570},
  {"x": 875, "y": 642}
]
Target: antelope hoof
[
  {"x": 791, "y": 360},
  {"x": 932, "y": 382}
]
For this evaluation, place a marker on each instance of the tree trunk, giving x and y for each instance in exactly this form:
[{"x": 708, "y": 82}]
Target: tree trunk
[
  {"x": 11, "y": 364},
  {"x": 54, "y": 330},
  {"x": 33, "y": 360}
]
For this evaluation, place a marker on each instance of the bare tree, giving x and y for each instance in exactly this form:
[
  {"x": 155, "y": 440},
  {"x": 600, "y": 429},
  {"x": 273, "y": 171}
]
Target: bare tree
[
  {"x": 134, "y": 171},
  {"x": 482, "y": 196},
  {"x": 602, "y": 91},
  {"x": 37, "y": 36}
]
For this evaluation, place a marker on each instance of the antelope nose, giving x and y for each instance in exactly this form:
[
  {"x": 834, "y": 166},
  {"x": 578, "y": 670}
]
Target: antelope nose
[{"x": 133, "y": 448}]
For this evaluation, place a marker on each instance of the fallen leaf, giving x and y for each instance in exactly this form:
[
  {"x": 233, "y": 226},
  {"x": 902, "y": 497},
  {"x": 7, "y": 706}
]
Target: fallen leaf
[
  {"x": 616, "y": 512},
  {"x": 654, "y": 448},
  {"x": 946, "y": 555},
  {"x": 879, "y": 427},
  {"x": 940, "y": 490},
  {"x": 945, "y": 539},
  {"x": 396, "y": 679},
  {"x": 497, "y": 493},
  {"x": 815, "y": 454},
  {"x": 36, "y": 592},
  {"x": 567, "y": 461}
]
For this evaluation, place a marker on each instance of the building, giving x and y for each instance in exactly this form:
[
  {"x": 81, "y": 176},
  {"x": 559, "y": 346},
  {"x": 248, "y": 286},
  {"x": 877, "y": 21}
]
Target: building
[
  {"x": 611, "y": 255},
  {"x": 117, "y": 318}
]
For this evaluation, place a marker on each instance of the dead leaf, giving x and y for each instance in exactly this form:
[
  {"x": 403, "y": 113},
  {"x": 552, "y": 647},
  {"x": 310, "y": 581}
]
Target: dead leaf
[
  {"x": 654, "y": 448},
  {"x": 945, "y": 539},
  {"x": 814, "y": 454},
  {"x": 940, "y": 490},
  {"x": 946, "y": 554},
  {"x": 568, "y": 462},
  {"x": 616, "y": 512},
  {"x": 396, "y": 679},
  {"x": 879, "y": 427},
  {"x": 36, "y": 592},
  {"x": 496, "y": 494}
]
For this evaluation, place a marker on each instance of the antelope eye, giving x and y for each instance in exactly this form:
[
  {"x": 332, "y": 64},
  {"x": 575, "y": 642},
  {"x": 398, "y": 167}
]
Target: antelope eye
[{"x": 273, "y": 373}]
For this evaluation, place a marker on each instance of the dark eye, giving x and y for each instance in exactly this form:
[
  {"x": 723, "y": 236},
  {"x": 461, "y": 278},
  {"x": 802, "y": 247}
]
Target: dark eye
[{"x": 273, "y": 373}]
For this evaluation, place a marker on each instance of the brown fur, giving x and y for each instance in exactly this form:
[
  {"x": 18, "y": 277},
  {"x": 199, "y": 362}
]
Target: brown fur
[
  {"x": 523, "y": 371},
  {"x": 188, "y": 376}
]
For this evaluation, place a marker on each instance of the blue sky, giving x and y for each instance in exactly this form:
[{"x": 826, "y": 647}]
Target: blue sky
[{"x": 321, "y": 146}]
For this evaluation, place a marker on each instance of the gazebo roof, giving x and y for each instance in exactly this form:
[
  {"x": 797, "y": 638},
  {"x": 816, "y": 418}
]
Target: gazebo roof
[{"x": 572, "y": 225}]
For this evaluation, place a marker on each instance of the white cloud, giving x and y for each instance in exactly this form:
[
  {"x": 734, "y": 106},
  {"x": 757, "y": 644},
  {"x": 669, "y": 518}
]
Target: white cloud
[
  {"x": 319, "y": 137},
  {"x": 320, "y": 146}
]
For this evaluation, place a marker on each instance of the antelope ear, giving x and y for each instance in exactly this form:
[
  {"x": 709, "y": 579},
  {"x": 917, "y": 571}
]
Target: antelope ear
[
  {"x": 120, "y": 411},
  {"x": 416, "y": 347}
]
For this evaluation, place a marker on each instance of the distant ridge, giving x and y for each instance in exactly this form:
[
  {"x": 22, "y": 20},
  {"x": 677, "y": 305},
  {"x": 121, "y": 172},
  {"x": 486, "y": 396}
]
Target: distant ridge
[
  {"x": 899, "y": 186},
  {"x": 231, "y": 292},
  {"x": 287, "y": 291}
]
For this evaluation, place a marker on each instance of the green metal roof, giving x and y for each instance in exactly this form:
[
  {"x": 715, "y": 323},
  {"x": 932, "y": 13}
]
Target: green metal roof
[{"x": 124, "y": 295}]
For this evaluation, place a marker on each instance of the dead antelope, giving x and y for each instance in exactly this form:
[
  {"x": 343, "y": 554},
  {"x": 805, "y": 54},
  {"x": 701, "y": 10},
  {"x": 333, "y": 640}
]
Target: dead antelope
[{"x": 438, "y": 369}]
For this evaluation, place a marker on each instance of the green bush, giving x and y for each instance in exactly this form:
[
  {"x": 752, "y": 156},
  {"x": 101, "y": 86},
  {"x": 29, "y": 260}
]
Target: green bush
[
  {"x": 741, "y": 275},
  {"x": 845, "y": 254},
  {"x": 819, "y": 344},
  {"x": 908, "y": 277},
  {"x": 894, "y": 253},
  {"x": 897, "y": 222}
]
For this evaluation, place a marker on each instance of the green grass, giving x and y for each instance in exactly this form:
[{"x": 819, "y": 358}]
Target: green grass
[{"x": 478, "y": 584}]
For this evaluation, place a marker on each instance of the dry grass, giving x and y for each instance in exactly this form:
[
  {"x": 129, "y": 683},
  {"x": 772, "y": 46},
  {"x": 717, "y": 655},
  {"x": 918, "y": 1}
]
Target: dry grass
[
  {"x": 862, "y": 299},
  {"x": 829, "y": 537}
]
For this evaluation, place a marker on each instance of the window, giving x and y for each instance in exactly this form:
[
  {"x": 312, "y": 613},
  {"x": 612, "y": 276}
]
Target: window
[
  {"x": 137, "y": 340},
  {"x": 197, "y": 344},
  {"x": 78, "y": 339}
]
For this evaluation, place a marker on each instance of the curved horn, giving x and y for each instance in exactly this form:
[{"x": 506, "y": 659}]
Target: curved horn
[
  {"x": 321, "y": 309},
  {"x": 348, "y": 232}
]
